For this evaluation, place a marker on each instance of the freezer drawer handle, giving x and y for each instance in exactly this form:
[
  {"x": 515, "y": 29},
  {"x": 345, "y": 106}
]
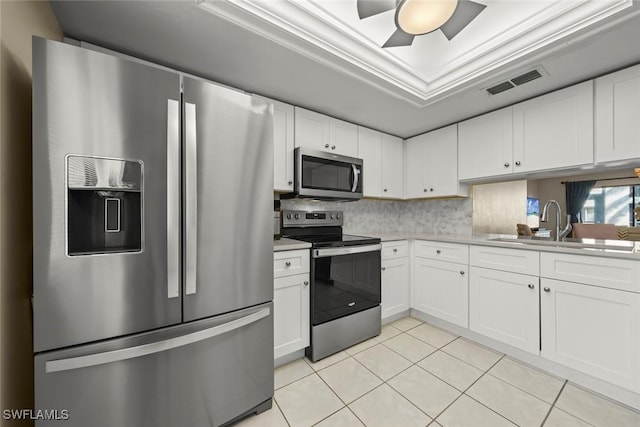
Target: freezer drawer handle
[{"x": 154, "y": 347}]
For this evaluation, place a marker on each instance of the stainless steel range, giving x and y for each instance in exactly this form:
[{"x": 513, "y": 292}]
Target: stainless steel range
[{"x": 345, "y": 281}]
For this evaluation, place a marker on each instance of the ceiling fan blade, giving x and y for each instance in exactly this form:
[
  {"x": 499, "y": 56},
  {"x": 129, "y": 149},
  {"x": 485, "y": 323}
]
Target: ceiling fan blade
[
  {"x": 466, "y": 12},
  {"x": 399, "y": 38},
  {"x": 367, "y": 8}
]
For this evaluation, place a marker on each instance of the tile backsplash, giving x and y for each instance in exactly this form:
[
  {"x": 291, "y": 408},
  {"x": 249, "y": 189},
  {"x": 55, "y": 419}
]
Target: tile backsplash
[{"x": 438, "y": 216}]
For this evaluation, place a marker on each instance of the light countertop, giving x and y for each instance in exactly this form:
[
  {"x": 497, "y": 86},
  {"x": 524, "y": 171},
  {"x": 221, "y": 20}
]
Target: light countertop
[
  {"x": 285, "y": 244},
  {"x": 609, "y": 248}
]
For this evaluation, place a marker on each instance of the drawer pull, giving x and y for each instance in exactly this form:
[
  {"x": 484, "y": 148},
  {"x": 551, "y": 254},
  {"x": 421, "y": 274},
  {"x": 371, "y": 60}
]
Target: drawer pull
[
  {"x": 438, "y": 251},
  {"x": 287, "y": 264},
  {"x": 462, "y": 272},
  {"x": 546, "y": 289},
  {"x": 530, "y": 286},
  {"x": 384, "y": 268},
  {"x": 395, "y": 250},
  {"x": 306, "y": 283}
]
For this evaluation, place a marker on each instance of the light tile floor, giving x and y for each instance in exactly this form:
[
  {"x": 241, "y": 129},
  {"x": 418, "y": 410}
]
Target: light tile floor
[{"x": 414, "y": 374}]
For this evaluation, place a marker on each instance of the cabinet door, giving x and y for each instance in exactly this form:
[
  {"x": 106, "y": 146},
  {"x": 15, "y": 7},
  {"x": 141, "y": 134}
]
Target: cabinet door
[
  {"x": 283, "y": 117},
  {"x": 441, "y": 158},
  {"x": 414, "y": 168},
  {"x": 441, "y": 290},
  {"x": 617, "y": 126},
  {"x": 344, "y": 138},
  {"x": 485, "y": 145},
  {"x": 593, "y": 330},
  {"x": 370, "y": 151},
  {"x": 392, "y": 167},
  {"x": 395, "y": 286},
  {"x": 505, "y": 306},
  {"x": 555, "y": 130},
  {"x": 290, "y": 314},
  {"x": 312, "y": 130}
]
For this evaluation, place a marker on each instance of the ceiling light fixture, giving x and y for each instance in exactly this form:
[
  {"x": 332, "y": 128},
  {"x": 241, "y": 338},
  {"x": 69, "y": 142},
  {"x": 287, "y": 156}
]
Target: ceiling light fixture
[{"x": 419, "y": 17}]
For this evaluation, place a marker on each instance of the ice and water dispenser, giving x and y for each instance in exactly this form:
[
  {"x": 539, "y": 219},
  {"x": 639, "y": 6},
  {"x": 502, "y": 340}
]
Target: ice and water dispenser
[{"x": 104, "y": 205}]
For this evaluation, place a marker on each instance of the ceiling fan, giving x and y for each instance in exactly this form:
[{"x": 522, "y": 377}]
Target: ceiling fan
[{"x": 417, "y": 17}]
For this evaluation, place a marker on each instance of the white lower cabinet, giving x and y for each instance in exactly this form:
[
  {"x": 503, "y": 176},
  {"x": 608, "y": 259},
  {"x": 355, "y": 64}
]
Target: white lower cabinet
[
  {"x": 441, "y": 289},
  {"x": 592, "y": 329},
  {"x": 395, "y": 279},
  {"x": 505, "y": 306},
  {"x": 291, "y": 294}
]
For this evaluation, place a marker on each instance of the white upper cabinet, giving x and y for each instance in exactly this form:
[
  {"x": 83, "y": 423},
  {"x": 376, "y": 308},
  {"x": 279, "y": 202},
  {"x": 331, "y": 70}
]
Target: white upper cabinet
[
  {"x": 485, "y": 145},
  {"x": 370, "y": 151},
  {"x": 283, "y": 145},
  {"x": 382, "y": 156},
  {"x": 617, "y": 102},
  {"x": 320, "y": 132},
  {"x": 431, "y": 165},
  {"x": 555, "y": 130},
  {"x": 392, "y": 167}
]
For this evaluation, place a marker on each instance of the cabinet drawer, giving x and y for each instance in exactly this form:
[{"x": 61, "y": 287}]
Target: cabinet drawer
[
  {"x": 451, "y": 252},
  {"x": 592, "y": 270},
  {"x": 504, "y": 259},
  {"x": 287, "y": 263},
  {"x": 392, "y": 250}
]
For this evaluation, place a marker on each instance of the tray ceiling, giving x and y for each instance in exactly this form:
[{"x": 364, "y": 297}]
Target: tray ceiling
[{"x": 432, "y": 67}]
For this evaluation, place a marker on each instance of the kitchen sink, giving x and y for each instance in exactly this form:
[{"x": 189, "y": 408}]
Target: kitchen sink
[{"x": 614, "y": 245}]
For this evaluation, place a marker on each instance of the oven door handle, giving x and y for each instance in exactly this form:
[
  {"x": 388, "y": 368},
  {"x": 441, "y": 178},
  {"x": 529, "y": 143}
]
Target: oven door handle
[{"x": 322, "y": 253}]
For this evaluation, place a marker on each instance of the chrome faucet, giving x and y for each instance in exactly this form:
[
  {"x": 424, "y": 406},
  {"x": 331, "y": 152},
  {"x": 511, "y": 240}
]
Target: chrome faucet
[{"x": 560, "y": 234}]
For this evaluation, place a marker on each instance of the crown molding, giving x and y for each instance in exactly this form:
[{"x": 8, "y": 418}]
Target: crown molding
[{"x": 306, "y": 28}]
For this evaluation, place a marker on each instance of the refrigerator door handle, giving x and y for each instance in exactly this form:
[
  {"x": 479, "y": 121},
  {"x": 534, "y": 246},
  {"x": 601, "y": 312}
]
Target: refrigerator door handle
[
  {"x": 191, "y": 198},
  {"x": 154, "y": 347},
  {"x": 173, "y": 199}
]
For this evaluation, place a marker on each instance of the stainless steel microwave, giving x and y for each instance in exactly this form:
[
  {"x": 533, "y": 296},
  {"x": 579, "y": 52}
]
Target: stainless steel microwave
[{"x": 326, "y": 176}]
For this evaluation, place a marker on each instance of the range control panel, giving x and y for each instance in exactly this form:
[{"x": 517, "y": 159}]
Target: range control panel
[{"x": 311, "y": 218}]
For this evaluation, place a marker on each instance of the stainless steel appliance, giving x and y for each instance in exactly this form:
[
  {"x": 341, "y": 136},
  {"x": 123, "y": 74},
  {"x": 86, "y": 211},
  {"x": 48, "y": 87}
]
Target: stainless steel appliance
[
  {"x": 152, "y": 297},
  {"x": 345, "y": 281},
  {"x": 326, "y": 176}
]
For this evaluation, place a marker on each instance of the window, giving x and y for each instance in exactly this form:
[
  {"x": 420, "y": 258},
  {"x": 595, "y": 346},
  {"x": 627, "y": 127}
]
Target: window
[{"x": 612, "y": 205}]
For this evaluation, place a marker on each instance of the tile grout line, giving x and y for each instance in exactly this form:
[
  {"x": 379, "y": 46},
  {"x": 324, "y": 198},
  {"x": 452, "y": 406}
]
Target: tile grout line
[
  {"x": 464, "y": 392},
  {"x": 553, "y": 405}
]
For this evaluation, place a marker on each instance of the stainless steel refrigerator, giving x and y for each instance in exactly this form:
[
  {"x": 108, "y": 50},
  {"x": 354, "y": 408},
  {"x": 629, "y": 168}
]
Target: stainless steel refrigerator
[{"x": 152, "y": 260}]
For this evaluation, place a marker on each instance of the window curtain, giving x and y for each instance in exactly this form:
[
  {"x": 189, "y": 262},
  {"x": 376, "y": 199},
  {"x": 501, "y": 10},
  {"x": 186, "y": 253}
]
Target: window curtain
[{"x": 577, "y": 194}]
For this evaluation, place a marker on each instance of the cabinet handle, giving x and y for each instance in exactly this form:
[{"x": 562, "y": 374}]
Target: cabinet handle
[
  {"x": 425, "y": 190},
  {"x": 333, "y": 147},
  {"x": 431, "y": 189},
  {"x": 326, "y": 145},
  {"x": 306, "y": 283},
  {"x": 289, "y": 182},
  {"x": 395, "y": 250},
  {"x": 462, "y": 272},
  {"x": 546, "y": 289},
  {"x": 530, "y": 286},
  {"x": 438, "y": 251},
  {"x": 384, "y": 268},
  {"x": 518, "y": 163},
  {"x": 287, "y": 264},
  {"x": 385, "y": 190},
  {"x": 506, "y": 165}
]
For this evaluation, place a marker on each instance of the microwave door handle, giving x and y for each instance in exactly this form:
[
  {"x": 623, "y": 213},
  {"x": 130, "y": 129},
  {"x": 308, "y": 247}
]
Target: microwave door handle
[
  {"x": 356, "y": 175},
  {"x": 173, "y": 199},
  {"x": 191, "y": 198}
]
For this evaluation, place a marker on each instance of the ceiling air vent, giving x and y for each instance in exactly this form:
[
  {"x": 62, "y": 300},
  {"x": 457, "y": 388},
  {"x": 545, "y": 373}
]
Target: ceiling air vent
[
  {"x": 493, "y": 90},
  {"x": 515, "y": 81},
  {"x": 526, "y": 77}
]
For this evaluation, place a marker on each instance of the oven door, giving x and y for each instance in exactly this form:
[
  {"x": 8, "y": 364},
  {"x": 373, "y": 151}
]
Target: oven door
[
  {"x": 345, "y": 280},
  {"x": 323, "y": 175}
]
